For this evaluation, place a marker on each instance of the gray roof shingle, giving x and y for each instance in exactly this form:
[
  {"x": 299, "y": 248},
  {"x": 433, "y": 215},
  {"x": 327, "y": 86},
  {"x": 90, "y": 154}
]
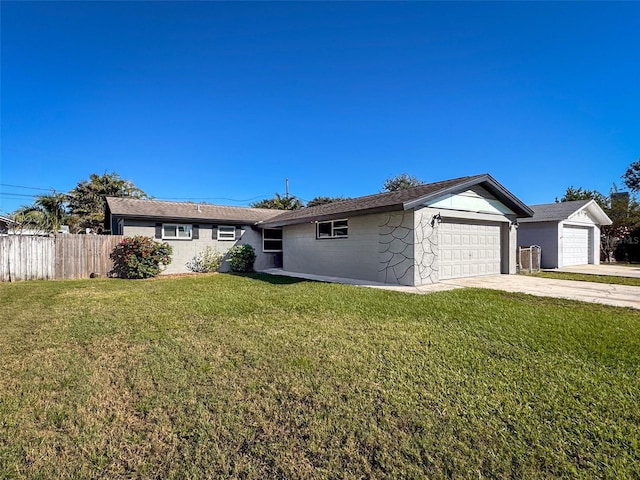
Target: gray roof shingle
[
  {"x": 398, "y": 200},
  {"x": 554, "y": 212},
  {"x": 132, "y": 207}
]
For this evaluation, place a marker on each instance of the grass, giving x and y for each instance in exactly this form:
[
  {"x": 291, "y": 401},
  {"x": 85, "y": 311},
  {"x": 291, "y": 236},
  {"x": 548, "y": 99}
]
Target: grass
[
  {"x": 586, "y": 277},
  {"x": 266, "y": 377}
]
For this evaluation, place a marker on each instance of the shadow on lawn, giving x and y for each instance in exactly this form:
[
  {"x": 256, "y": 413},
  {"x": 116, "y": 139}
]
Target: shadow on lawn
[{"x": 276, "y": 279}]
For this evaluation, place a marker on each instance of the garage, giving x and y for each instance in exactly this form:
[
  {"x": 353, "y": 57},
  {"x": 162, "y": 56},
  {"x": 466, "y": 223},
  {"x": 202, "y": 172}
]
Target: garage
[
  {"x": 469, "y": 249},
  {"x": 575, "y": 245}
]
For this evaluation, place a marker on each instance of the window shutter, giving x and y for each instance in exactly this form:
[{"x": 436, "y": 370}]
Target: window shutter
[
  {"x": 214, "y": 232},
  {"x": 158, "y": 230},
  {"x": 195, "y": 232},
  {"x": 238, "y": 232}
]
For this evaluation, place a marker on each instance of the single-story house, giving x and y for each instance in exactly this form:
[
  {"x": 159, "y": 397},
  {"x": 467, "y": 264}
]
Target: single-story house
[
  {"x": 191, "y": 227},
  {"x": 454, "y": 228},
  {"x": 567, "y": 232}
]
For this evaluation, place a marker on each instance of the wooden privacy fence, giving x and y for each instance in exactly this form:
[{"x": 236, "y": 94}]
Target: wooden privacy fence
[{"x": 27, "y": 257}]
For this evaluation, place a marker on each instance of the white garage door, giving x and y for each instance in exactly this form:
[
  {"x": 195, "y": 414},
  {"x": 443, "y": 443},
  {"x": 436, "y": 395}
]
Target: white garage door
[
  {"x": 468, "y": 249},
  {"x": 575, "y": 245}
]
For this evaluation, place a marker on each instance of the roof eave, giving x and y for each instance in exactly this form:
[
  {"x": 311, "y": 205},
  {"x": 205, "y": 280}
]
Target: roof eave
[
  {"x": 185, "y": 219},
  {"x": 331, "y": 216}
]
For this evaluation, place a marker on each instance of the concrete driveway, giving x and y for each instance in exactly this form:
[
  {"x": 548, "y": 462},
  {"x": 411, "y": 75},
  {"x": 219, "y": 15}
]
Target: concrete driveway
[
  {"x": 605, "y": 269},
  {"x": 617, "y": 295}
]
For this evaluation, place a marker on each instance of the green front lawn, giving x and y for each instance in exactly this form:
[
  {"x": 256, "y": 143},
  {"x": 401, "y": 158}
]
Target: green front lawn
[
  {"x": 225, "y": 376},
  {"x": 585, "y": 277}
]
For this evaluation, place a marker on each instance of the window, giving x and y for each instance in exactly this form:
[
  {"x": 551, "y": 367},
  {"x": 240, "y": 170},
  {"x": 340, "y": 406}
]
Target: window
[
  {"x": 272, "y": 240},
  {"x": 226, "y": 232},
  {"x": 332, "y": 229},
  {"x": 176, "y": 231}
]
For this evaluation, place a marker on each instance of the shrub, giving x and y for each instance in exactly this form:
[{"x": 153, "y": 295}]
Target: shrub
[
  {"x": 140, "y": 257},
  {"x": 241, "y": 258},
  {"x": 208, "y": 260}
]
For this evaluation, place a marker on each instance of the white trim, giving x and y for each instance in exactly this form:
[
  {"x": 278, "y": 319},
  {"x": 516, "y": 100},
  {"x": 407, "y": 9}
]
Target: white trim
[
  {"x": 188, "y": 228},
  {"x": 333, "y": 229},
  {"x": 272, "y": 240},
  {"x": 226, "y": 236}
]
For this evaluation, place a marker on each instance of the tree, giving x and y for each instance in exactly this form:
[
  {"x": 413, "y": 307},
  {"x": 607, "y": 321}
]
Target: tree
[
  {"x": 632, "y": 176},
  {"x": 314, "y": 202},
  {"x": 400, "y": 182},
  {"x": 87, "y": 199},
  {"x": 47, "y": 214},
  {"x": 582, "y": 194},
  {"x": 279, "y": 203}
]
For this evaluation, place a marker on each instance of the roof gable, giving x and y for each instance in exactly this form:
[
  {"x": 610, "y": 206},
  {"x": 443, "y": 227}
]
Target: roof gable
[
  {"x": 476, "y": 199},
  {"x": 557, "y": 212},
  {"x": 409, "y": 198}
]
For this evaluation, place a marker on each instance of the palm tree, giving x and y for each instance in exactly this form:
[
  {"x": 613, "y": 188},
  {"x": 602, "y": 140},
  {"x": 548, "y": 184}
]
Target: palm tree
[{"x": 47, "y": 214}]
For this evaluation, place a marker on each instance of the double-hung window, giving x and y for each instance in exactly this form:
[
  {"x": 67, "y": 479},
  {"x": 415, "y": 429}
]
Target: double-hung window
[
  {"x": 176, "y": 231},
  {"x": 272, "y": 240},
  {"x": 226, "y": 232},
  {"x": 332, "y": 229}
]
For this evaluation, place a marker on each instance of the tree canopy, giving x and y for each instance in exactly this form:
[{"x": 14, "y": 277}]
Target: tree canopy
[
  {"x": 47, "y": 213},
  {"x": 314, "y": 202},
  {"x": 83, "y": 207},
  {"x": 87, "y": 199},
  {"x": 632, "y": 176},
  {"x": 279, "y": 202},
  {"x": 401, "y": 182},
  {"x": 573, "y": 193}
]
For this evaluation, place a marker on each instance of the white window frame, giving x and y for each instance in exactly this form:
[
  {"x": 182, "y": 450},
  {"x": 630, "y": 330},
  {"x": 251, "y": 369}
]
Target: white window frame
[
  {"x": 333, "y": 229},
  {"x": 271, "y": 239},
  {"x": 187, "y": 227},
  {"x": 229, "y": 235}
]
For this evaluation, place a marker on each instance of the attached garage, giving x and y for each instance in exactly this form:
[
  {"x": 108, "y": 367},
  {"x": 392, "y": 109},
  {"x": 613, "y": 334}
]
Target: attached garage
[
  {"x": 416, "y": 236},
  {"x": 469, "y": 249},
  {"x": 575, "y": 245}
]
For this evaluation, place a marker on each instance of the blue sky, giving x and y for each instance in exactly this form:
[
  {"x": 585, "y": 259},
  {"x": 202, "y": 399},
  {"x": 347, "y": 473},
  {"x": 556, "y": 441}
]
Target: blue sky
[{"x": 220, "y": 102}]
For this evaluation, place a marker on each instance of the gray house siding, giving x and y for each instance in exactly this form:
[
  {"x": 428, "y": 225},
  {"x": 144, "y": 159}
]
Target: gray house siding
[
  {"x": 353, "y": 257},
  {"x": 185, "y": 250},
  {"x": 545, "y": 235},
  {"x": 398, "y": 248}
]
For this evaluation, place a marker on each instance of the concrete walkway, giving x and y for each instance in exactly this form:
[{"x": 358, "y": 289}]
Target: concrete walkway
[
  {"x": 604, "y": 269},
  {"x": 616, "y": 295}
]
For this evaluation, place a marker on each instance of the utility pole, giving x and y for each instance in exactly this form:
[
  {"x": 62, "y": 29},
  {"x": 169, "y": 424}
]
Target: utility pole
[{"x": 286, "y": 188}]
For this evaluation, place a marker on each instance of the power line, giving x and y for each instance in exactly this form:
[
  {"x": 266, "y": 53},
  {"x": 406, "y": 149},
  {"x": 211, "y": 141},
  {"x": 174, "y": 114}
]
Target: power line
[
  {"x": 28, "y": 188},
  {"x": 236, "y": 200}
]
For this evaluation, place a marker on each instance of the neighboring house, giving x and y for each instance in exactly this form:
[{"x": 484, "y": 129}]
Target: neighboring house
[
  {"x": 191, "y": 227},
  {"x": 5, "y": 224},
  {"x": 11, "y": 227},
  {"x": 455, "y": 228},
  {"x": 567, "y": 232}
]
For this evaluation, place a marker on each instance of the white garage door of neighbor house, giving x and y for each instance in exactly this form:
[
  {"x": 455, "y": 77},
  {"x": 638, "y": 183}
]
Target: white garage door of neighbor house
[
  {"x": 468, "y": 249},
  {"x": 575, "y": 245}
]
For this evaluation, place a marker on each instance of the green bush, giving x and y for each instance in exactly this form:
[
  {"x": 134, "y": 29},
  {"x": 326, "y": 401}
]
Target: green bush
[
  {"x": 140, "y": 257},
  {"x": 241, "y": 258},
  {"x": 208, "y": 260}
]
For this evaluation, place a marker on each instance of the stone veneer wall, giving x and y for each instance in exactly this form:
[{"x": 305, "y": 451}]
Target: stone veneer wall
[
  {"x": 408, "y": 248},
  {"x": 395, "y": 238},
  {"x": 426, "y": 248}
]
